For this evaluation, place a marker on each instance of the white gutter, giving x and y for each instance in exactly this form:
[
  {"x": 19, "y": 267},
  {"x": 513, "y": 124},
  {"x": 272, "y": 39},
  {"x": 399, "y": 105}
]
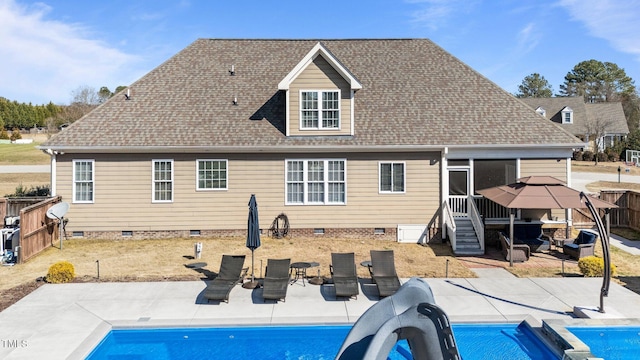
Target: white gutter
[{"x": 296, "y": 148}]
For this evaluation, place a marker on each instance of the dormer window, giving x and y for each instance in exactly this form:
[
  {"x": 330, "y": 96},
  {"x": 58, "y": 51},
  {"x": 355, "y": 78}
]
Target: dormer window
[
  {"x": 540, "y": 110},
  {"x": 567, "y": 115},
  {"x": 320, "y": 109}
]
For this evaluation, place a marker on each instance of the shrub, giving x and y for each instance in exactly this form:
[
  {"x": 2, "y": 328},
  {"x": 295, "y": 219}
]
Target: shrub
[
  {"x": 15, "y": 135},
  {"x": 61, "y": 272},
  {"x": 587, "y": 156},
  {"x": 577, "y": 155},
  {"x": 602, "y": 157},
  {"x": 4, "y": 135},
  {"x": 592, "y": 266}
]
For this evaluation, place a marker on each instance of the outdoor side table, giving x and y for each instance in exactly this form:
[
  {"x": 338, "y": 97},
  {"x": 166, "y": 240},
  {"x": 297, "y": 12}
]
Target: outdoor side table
[{"x": 299, "y": 270}]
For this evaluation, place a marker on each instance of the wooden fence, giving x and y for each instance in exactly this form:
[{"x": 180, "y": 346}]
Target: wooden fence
[{"x": 37, "y": 231}]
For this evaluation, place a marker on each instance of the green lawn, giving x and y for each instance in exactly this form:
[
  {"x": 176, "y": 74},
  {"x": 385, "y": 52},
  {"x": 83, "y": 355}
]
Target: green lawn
[{"x": 22, "y": 154}]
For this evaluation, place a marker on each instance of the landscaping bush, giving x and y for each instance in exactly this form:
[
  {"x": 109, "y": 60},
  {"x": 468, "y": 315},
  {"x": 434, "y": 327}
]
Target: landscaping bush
[
  {"x": 577, "y": 155},
  {"x": 602, "y": 157},
  {"x": 593, "y": 266},
  {"x": 4, "y": 135},
  {"x": 587, "y": 156},
  {"x": 61, "y": 272},
  {"x": 15, "y": 135}
]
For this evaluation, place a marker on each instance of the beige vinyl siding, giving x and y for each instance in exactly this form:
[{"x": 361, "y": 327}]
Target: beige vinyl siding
[
  {"x": 319, "y": 75},
  {"x": 544, "y": 167},
  {"x": 123, "y": 198}
]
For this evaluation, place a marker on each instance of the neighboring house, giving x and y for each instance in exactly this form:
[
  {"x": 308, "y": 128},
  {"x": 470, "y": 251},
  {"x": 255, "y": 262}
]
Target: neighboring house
[
  {"x": 584, "y": 120},
  {"x": 350, "y": 138}
]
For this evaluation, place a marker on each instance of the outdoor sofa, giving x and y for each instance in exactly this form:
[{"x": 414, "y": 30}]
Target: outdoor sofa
[
  {"x": 583, "y": 245},
  {"x": 520, "y": 252},
  {"x": 531, "y": 235}
]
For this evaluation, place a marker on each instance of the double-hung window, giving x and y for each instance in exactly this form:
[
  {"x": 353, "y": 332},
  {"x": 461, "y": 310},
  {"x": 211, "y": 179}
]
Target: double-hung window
[
  {"x": 162, "y": 180},
  {"x": 83, "y": 179},
  {"x": 320, "y": 109},
  {"x": 312, "y": 182},
  {"x": 392, "y": 177},
  {"x": 212, "y": 175}
]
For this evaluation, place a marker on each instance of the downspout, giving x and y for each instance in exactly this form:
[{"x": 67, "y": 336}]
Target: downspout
[
  {"x": 52, "y": 154},
  {"x": 444, "y": 188}
]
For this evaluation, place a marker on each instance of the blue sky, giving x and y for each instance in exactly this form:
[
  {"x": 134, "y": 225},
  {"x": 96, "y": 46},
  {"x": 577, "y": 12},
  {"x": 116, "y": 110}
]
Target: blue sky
[{"x": 50, "y": 48}]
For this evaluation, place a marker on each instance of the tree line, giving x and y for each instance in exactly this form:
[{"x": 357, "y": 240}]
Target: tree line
[{"x": 15, "y": 115}]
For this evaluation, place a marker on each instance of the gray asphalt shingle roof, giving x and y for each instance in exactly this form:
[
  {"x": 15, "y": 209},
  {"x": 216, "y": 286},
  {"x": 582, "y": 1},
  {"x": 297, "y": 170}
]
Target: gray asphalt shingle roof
[
  {"x": 583, "y": 113},
  {"x": 413, "y": 94}
]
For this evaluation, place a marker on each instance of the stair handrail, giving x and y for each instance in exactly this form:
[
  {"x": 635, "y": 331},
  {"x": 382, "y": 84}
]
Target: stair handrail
[
  {"x": 449, "y": 224},
  {"x": 476, "y": 220}
]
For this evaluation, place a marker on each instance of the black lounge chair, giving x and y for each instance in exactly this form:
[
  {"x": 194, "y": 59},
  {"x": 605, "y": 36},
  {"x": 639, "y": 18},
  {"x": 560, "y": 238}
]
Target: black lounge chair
[
  {"x": 231, "y": 273},
  {"x": 383, "y": 272},
  {"x": 343, "y": 273},
  {"x": 276, "y": 279}
]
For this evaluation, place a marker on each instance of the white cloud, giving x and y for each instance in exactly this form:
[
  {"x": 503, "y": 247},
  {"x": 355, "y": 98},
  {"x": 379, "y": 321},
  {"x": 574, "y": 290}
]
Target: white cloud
[
  {"x": 528, "y": 39},
  {"x": 617, "y": 22},
  {"x": 43, "y": 60},
  {"x": 436, "y": 13}
]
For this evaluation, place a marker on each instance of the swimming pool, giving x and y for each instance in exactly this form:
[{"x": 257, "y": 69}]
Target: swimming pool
[
  {"x": 475, "y": 341},
  {"x": 610, "y": 342}
]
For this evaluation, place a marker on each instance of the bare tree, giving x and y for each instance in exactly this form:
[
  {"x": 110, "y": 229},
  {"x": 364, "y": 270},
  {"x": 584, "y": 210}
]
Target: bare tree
[{"x": 596, "y": 127}]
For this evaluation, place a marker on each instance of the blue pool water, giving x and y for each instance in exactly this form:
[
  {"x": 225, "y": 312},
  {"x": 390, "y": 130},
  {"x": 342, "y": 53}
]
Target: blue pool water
[
  {"x": 479, "y": 341},
  {"x": 611, "y": 342}
]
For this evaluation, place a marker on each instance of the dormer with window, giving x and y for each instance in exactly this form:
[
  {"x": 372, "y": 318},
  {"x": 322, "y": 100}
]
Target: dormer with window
[
  {"x": 320, "y": 95},
  {"x": 541, "y": 111},
  {"x": 567, "y": 115}
]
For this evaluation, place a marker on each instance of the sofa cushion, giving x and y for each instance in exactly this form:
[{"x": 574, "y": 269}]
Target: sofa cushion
[
  {"x": 571, "y": 246},
  {"x": 585, "y": 237},
  {"x": 526, "y": 232}
]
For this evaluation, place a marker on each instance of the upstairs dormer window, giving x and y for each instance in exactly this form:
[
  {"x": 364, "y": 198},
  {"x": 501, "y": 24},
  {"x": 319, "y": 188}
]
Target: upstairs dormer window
[
  {"x": 320, "y": 109},
  {"x": 567, "y": 115},
  {"x": 540, "y": 110}
]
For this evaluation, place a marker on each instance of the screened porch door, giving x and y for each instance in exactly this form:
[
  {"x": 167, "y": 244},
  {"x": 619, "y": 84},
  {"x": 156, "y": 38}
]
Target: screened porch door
[{"x": 458, "y": 191}]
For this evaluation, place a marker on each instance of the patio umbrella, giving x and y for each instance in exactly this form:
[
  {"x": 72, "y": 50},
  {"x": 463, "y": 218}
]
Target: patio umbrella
[
  {"x": 539, "y": 192},
  {"x": 253, "y": 237}
]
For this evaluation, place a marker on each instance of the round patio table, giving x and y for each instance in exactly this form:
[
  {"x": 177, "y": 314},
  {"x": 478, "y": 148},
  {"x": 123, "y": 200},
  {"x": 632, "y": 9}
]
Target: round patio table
[{"x": 299, "y": 270}]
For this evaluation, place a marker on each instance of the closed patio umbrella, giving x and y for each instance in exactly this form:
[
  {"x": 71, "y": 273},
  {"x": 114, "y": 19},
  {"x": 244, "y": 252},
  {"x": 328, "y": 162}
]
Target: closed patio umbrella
[{"x": 253, "y": 237}]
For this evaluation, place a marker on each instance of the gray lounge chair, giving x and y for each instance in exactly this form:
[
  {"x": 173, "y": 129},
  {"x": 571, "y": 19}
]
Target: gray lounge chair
[
  {"x": 276, "y": 279},
  {"x": 231, "y": 273},
  {"x": 383, "y": 272},
  {"x": 343, "y": 273}
]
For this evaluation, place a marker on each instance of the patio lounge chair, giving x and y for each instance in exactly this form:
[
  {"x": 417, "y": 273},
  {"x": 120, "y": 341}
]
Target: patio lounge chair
[
  {"x": 343, "y": 273},
  {"x": 521, "y": 252},
  {"x": 583, "y": 245},
  {"x": 276, "y": 279},
  {"x": 383, "y": 272},
  {"x": 231, "y": 273}
]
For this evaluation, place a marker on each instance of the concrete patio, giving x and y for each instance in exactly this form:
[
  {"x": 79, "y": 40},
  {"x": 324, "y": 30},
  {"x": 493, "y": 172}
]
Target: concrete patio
[{"x": 68, "y": 320}]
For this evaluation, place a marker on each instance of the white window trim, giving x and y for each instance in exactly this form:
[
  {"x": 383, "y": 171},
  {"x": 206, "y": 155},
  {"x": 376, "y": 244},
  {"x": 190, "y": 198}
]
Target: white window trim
[
  {"x": 404, "y": 177},
  {"x": 320, "y": 127},
  {"x": 198, "y": 188},
  {"x": 567, "y": 111},
  {"x": 93, "y": 181},
  {"x": 305, "y": 182},
  {"x": 153, "y": 181}
]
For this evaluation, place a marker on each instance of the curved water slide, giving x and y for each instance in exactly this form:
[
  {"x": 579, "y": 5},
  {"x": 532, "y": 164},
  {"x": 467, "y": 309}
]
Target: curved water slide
[{"x": 410, "y": 314}]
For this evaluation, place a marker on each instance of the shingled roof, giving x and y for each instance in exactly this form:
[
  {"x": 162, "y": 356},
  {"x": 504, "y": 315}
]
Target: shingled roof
[
  {"x": 583, "y": 113},
  {"x": 414, "y": 95}
]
